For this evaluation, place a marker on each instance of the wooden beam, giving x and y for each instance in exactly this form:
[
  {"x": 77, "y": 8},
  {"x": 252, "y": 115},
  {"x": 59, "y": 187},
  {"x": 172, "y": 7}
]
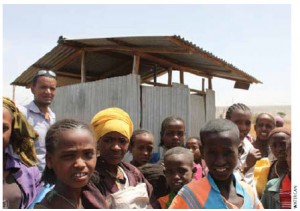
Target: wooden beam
[
  {"x": 181, "y": 73},
  {"x": 138, "y": 50},
  {"x": 83, "y": 70},
  {"x": 66, "y": 61},
  {"x": 155, "y": 84},
  {"x": 209, "y": 83},
  {"x": 154, "y": 73},
  {"x": 74, "y": 75},
  {"x": 117, "y": 69},
  {"x": 136, "y": 64},
  {"x": 167, "y": 63},
  {"x": 170, "y": 76},
  {"x": 202, "y": 93}
]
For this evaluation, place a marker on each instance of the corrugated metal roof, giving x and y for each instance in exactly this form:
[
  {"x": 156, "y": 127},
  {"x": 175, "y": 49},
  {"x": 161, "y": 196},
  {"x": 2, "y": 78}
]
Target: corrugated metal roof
[{"x": 110, "y": 57}]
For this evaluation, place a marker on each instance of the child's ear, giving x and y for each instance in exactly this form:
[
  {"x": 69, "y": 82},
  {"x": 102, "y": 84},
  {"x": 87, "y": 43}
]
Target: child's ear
[{"x": 49, "y": 161}]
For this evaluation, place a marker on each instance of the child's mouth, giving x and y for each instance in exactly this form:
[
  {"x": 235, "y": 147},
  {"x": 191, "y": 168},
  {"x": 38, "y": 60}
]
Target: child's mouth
[
  {"x": 80, "y": 175},
  {"x": 220, "y": 170}
]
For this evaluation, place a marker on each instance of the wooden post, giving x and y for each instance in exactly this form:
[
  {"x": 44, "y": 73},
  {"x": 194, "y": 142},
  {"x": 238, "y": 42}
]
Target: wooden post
[
  {"x": 155, "y": 73},
  {"x": 136, "y": 64},
  {"x": 170, "y": 76},
  {"x": 181, "y": 77},
  {"x": 209, "y": 83},
  {"x": 203, "y": 84},
  {"x": 83, "y": 71}
]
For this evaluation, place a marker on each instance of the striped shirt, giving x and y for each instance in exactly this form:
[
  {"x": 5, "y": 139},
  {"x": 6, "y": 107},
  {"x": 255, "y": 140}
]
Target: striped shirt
[
  {"x": 285, "y": 193},
  {"x": 205, "y": 194}
]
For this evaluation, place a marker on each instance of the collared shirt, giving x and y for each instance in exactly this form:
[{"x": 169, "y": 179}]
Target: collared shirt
[
  {"x": 28, "y": 178},
  {"x": 249, "y": 175},
  {"x": 41, "y": 125},
  {"x": 205, "y": 194}
]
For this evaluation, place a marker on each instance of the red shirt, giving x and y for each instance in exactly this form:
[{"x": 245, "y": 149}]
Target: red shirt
[{"x": 285, "y": 193}]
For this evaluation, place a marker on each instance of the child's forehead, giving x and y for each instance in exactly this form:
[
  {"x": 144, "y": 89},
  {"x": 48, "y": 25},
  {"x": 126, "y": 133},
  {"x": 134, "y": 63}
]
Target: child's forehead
[
  {"x": 232, "y": 135},
  {"x": 177, "y": 124},
  {"x": 177, "y": 159}
]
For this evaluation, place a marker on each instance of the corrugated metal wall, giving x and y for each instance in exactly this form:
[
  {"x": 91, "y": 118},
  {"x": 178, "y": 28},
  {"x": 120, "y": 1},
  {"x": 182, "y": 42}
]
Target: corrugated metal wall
[
  {"x": 161, "y": 102},
  {"x": 83, "y": 101},
  {"x": 210, "y": 105},
  {"x": 197, "y": 114}
]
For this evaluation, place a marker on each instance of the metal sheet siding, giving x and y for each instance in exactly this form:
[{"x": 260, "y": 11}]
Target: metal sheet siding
[
  {"x": 161, "y": 102},
  {"x": 83, "y": 101},
  {"x": 210, "y": 105},
  {"x": 197, "y": 114}
]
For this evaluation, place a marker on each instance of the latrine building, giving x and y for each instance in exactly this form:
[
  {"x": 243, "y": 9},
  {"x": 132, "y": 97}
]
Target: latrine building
[{"x": 94, "y": 74}]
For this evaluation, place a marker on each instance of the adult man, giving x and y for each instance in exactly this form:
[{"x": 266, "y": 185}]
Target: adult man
[{"x": 38, "y": 113}]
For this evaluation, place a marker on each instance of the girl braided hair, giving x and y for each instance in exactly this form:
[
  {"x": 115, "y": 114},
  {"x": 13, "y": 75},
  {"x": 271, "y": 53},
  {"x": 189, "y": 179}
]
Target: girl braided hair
[
  {"x": 236, "y": 106},
  {"x": 53, "y": 136},
  {"x": 23, "y": 135}
]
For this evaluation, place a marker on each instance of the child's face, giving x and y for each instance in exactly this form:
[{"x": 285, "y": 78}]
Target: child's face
[
  {"x": 263, "y": 127},
  {"x": 243, "y": 120},
  {"x": 278, "y": 145},
  {"x": 178, "y": 170},
  {"x": 74, "y": 159},
  {"x": 173, "y": 135},
  {"x": 193, "y": 145},
  {"x": 220, "y": 152},
  {"x": 113, "y": 147},
  {"x": 7, "y": 127},
  {"x": 142, "y": 148}
]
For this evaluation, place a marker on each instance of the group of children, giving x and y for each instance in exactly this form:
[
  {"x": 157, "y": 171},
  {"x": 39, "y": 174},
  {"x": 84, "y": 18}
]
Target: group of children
[{"x": 85, "y": 167}]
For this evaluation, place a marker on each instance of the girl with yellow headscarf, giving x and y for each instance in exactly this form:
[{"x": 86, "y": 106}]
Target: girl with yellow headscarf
[
  {"x": 20, "y": 174},
  {"x": 119, "y": 181}
]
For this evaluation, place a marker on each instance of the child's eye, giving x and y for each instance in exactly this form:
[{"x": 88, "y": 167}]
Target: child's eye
[
  {"x": 107, "y": 140},
  {"x": 123, "y": 141},
  {"x": 89, "y": 154},
  {"x": 181, "y": 171},
  {"x": 68, "y": 156}
]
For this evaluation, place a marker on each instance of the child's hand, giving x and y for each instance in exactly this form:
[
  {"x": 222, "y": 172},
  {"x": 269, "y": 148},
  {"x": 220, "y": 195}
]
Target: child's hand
[{"x": 252, "y": 157}]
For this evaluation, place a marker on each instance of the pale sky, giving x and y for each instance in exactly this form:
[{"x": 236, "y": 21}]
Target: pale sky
[{"x": 255, "y": 38}]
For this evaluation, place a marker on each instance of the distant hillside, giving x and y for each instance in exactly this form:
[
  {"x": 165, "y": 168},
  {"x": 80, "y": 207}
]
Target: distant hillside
[{"x": 221, "y": 110}]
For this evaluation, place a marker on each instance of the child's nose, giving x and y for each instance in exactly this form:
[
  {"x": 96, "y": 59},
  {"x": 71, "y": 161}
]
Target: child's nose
[
  {"x": 220, "y": 160},
  {"x": 116, "y": 147},
  {"x": 79, "y": 163}
]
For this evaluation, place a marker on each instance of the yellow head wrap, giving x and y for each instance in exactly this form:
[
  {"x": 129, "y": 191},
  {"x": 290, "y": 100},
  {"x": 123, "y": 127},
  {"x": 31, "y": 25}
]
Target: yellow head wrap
[
  {"x": 23, "y": 134},
  {"x": 112, "y": 120}
]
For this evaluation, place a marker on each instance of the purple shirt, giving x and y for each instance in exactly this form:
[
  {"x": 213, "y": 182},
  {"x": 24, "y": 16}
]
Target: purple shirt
[
  {"x": 27, "y": 178},
  {"x": 41, "y": 125}
]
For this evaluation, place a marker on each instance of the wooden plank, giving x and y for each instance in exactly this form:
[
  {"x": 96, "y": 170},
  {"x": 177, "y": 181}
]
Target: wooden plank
[
  {"x": 138, "y": 49},
  {"x": 156, "y": 84},
  {"x": 209, "y": 83},
  {"x": 115, "y": 70},
  {"x": 66, "y": 61},
  {"x": 181, "y": 73},
  {"x": 202, "y": 93},
  {"x": 136, "y": 64},
  {"x": 74, "y": 75},
  {"x": 83, "y": 71},
  {"x": 170, "y": 76}
]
